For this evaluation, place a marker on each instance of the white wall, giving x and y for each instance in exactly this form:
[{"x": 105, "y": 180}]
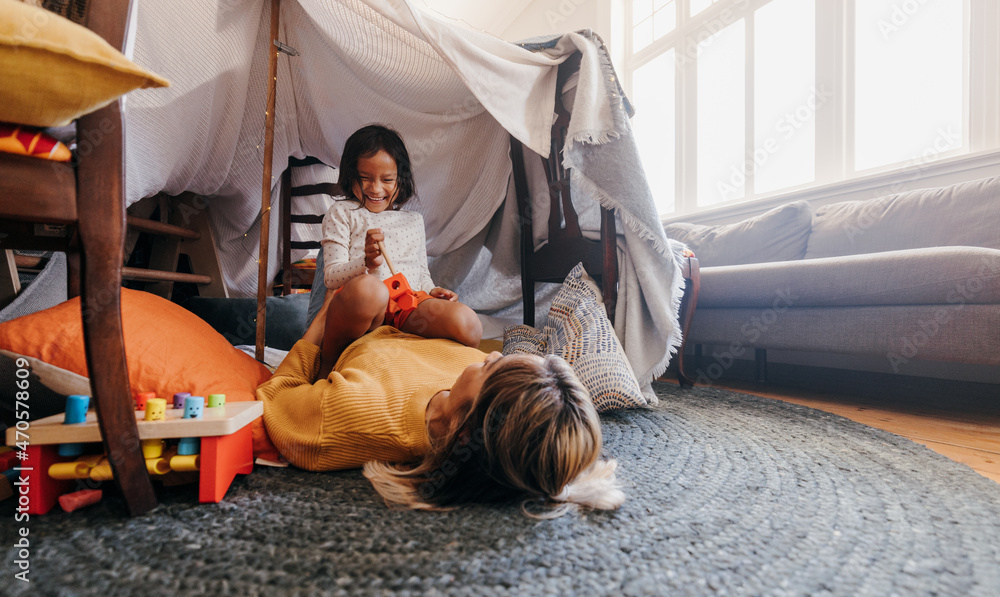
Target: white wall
[{"x": 543, "y": 17}]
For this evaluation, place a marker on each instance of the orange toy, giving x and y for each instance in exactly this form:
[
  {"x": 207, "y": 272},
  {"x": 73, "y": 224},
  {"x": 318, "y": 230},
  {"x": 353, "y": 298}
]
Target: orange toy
[{"x": 399, "y": 287}]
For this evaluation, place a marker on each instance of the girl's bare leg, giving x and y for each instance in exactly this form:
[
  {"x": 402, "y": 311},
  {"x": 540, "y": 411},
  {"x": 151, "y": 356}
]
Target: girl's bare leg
[
  {"x": 356, "y": 310},
  {"x": 438, "y": 318}
]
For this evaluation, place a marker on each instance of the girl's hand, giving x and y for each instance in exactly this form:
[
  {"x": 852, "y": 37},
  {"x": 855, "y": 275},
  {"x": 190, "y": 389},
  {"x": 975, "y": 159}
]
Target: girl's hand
[
  {"x": 443, "y": 293},
  {"x": 373, "y": 257}
]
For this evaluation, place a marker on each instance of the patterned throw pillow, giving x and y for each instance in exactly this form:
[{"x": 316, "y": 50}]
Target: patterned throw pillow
[{"x": 578, "y": 330}]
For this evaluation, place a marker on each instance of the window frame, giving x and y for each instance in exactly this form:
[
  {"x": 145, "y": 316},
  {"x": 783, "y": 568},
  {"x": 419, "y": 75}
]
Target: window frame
[{"x": 834, "y": 125}]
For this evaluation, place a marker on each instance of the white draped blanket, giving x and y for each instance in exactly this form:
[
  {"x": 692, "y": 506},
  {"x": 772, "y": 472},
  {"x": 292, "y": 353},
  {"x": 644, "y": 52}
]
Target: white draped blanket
[{"x": 454, "y": 94}]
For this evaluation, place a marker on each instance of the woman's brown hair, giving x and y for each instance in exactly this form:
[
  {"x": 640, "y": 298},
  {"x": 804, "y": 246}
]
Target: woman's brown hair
[{"x": 532, "y": 433}]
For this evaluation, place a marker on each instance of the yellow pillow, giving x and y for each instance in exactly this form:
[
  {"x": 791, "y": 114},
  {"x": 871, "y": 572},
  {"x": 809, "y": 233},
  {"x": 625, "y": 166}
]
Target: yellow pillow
[{"x": 54, "y": 70}]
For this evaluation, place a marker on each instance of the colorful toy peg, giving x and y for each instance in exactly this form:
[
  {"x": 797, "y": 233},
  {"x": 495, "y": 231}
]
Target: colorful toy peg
[
  {"x": 91, "y": 460},
  {"x": 141, "y": 398},
  {"x": 185, "y": 462},
  {"x": 76, "y": 413},
  {"x": 187, "y": 446},
  {"x": 69, "y": 470},
  {"x": 179, "y": 399},
  {"x": 152, "y": 448},
  {"x": 76, "y": 409},
  {"x": 215, "y": 400},
  {"x": 194, "y": 408},
  {"x": 157, "y": 466},
  {"x": 102, "y": 471},
  {"x": 156, "y": 410},
  {"x": 79, "y": 499}
]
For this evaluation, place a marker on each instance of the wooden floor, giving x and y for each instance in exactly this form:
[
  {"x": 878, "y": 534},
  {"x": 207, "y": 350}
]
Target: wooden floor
[{"x": 968, "y": 435}]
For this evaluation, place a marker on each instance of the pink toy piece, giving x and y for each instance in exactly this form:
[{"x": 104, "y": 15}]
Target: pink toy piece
[{"x": 80, "y": 499}]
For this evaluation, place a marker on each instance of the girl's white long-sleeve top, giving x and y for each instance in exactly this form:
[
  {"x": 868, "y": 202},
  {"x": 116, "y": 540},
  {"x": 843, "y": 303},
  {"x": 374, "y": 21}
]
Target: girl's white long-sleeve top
[{"x": 345, "y": 226}]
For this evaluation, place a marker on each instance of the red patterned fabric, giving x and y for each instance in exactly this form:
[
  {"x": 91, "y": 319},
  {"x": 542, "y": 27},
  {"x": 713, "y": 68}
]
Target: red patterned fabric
[{"x": 26, "y": 140}]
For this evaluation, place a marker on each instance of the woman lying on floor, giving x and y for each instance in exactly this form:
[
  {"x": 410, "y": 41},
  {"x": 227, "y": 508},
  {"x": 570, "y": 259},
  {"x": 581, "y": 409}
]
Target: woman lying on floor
[{"x": 435, "y": 423}]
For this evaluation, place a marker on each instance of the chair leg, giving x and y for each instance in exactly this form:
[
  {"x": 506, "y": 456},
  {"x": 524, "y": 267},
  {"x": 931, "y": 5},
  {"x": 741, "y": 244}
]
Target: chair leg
[
  {"x": 100, "y": 304},
  {"x": 528, "y": 299},
  {"x": 73, "y": 273},
  {"x": 692, "y": 276},
  {"x": 101, "y": 209}
]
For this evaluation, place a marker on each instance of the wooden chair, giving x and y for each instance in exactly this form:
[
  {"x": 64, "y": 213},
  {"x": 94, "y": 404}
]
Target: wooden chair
[
  {"x": 289, "y": 277},
  {"x": 87, "y": 203},
  {"x": 566, "y": 244}
]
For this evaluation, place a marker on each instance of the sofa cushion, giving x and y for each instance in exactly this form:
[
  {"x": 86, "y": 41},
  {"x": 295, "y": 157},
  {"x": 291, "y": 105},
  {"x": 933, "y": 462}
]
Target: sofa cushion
[
  {"x": 966, "y": 214},
  {"x": 777, "y": 235},
  {"x": 900, "y": 335},
  {"x": 932, "y": 276}
]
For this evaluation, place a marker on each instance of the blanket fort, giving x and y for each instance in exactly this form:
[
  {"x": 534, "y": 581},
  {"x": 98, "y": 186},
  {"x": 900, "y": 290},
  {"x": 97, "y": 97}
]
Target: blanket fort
[{"x": 454, "y": 94}]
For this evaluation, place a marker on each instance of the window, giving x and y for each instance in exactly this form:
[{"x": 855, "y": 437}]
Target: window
[
  {"x": 653, "y": 85},
  {"x": 720, "y": 115},
  {"x": 738, "y": 100},
  {"x": 907, "y": 73}
]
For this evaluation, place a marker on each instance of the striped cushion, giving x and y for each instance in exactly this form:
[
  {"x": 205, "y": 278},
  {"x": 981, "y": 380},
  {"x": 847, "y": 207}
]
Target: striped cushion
[{"x": 579, "y": 331}]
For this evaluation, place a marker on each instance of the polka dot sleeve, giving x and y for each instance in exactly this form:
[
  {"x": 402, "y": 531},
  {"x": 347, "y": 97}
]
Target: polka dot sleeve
[{"x": 343, "y": 244}]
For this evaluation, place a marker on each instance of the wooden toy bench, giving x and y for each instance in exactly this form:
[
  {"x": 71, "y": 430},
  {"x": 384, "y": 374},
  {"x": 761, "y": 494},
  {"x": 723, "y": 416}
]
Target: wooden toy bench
[{"x": 226, "y": 449}]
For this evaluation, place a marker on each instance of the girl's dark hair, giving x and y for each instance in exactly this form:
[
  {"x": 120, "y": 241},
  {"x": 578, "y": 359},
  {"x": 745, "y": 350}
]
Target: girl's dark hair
[{"x": 366, "y": 142}]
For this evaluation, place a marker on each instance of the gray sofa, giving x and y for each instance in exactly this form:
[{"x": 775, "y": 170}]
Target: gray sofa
[{"x": 906, "y": 278}]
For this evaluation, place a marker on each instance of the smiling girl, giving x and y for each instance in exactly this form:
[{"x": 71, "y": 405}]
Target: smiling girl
[{"x": 375, "y": 173}]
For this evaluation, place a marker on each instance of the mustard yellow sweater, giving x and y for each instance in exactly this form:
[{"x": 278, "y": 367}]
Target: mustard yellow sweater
[{"x": 372, "y": 405}]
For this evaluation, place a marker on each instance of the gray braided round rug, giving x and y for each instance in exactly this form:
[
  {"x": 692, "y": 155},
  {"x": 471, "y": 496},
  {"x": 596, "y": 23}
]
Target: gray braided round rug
[{"x": 727, "y": 493}]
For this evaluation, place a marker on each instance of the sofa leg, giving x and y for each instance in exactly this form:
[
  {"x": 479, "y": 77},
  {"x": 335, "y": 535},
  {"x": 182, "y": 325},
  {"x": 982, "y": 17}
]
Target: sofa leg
[{"x": 760, "y": 357}]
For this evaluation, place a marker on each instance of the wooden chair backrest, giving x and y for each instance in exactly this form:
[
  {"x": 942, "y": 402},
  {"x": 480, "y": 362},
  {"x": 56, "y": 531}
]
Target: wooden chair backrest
[
  {"x": 289, "y": 279},
  {"x": 566, "y": 245}
]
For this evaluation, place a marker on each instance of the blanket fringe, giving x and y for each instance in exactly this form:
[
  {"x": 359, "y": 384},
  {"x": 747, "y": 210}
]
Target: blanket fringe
[
  {"x": 589, "y": 187},
  {"x": 662, "y": 246},
  {"x": 592, "y": 137},
  {"x": 619, "y": 107}
]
